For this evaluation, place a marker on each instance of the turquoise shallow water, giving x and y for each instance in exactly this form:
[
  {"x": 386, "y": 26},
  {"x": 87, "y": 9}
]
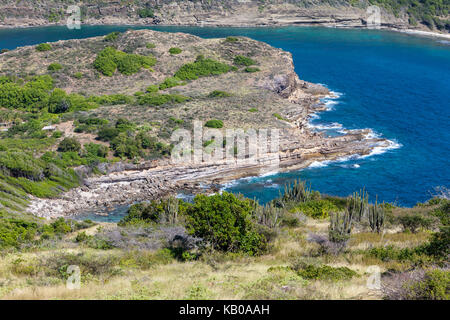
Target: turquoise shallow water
[{"x": 395, "y": 84}]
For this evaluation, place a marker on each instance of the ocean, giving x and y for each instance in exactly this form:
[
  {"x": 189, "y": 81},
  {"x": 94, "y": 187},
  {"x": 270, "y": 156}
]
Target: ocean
[{"x": 398, "y": 85}]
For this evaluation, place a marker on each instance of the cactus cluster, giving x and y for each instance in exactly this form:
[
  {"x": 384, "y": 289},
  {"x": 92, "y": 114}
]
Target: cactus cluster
[
  {"x": 171, "y": 210},
  {"x": 358, "y": 205},
  {"x": 298, "y": 192},
  {"x": 268, "y": 215},
  {"x": 376, "y": 217},
  {"x": 340, "y": 228}
]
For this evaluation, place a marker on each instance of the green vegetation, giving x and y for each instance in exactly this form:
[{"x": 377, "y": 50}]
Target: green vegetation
[
  {"x": 54, "y": 67},
  {"x": 109, "y": 60},
  {"x": 150, "y": 45},
  {"x": 324, "y": 272},
  {"x": 279, "y": 117},
  {"x": 231, "y": 39},
  {"x": 219, "y": 94},
  {"x": 43, "y": 47},
  {"x": 214, "y": 124},
  {"x": 170, "y": 82},
  {"x": 243, "y": 61},
  {"x": 252, "y": 110},
  {"x": 111, "y": 37},
  {"x": 201, "y": 68},
  {"x": 432, "y": 13},
  {"x": 317, "y": 209},
  {"x": 146, "y": 13},
  {"x": 175, "y": 50},
  {"x": 225, "y": 221},
  {"x": 251, "y": 70}
]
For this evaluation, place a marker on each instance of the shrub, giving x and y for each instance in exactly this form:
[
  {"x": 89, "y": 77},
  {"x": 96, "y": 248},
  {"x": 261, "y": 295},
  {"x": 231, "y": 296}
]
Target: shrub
[
  {"x": 146, "y": 13},
  {"x": 279, "y": 117},
  {"x": 43, "y": 47},
  {"x": 111, "y": 37},
  {"x": 166, "y": 211},
  {"x": 226, "y": 222},
  {"x": 78, "y": 75},
  {"x": 414, "y": 222},
  {"x": 201, "y": 68},
  {"x": 253, "y": 110},
  {"x": 231, "y": 39},
  {"x": 317, "y": 209},
  {"x": 175, "y": 50},
  {"x": 59, "y": 102},
  {"x": 439, "y": 245},
  {"x": 170, "y": 82},
  {"x": 219, "y": 94},
  {"x": 432, "y": 284},
  {"x": 155, "y": 99},
  {"x": 150, "y": 45},
  {"x": 107, "y": 133},
  {"x": 152, "y": 88},
  {"x": 109, "y": 60},
  {"x": 324, "y": 272},
  {"x": 54, "y": 67},
  {"x": 244, "y": 61},
  {"x": 214, "y": 124},
  {"x": 69, "y": 144},
  {"x": 251, "y": 70}
]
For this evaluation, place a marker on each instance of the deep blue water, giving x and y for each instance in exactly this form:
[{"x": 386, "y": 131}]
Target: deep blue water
[{"x": 398, "y": 85}]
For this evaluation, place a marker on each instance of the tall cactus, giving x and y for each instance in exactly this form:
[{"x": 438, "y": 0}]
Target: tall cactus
[
  {"x": 376, "y": 217},
  {"x": 298, "y": 192},
  {"x": 171, "y": 210},
  {"x": 340, "y": 228},
  {"x": 268, "y": 215},
  {"x": 358, "y": 205}
]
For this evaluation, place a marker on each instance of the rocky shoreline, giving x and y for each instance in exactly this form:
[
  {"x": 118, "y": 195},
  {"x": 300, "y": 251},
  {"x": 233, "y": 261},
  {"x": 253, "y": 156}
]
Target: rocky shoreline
[{"x": 127, "y": 183}]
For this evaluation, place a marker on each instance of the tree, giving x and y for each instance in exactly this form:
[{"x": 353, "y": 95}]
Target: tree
[
  {"x": 69, "y": 144},
  {"x": 226, "y": 222}
]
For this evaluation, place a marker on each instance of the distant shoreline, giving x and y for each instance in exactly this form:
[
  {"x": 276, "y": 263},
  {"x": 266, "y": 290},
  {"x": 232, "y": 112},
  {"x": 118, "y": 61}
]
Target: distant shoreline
[{"x": 413, "y": 32}]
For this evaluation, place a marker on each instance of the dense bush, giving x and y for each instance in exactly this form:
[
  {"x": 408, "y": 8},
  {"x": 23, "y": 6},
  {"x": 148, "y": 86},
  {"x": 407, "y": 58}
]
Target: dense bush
[
  {"x": 59, "y": 102},
  {"x": 251, "y": 69},
  {"x": 175, "y": 50},
  {"x": 324, "y": 272},
  {"x": 43, "y": 47},
  {"x": 170, "y": 82},
  {"x": 231, "y": 39},
  {"x": 414, "y": 222},
  {"x": 317, "y": 209},
  {"x": 109, "y": 60},
  {"x": 163, "y": 211},
  {"x": 244, "y": 61},
  {"x": 34, "y": 94},
  {"x": 219, "y": 94},
  {"x": 111, "y": 37},
  {"x": 54, "y": 67},
  {"x": 69, "y": 144},
  {"x": 214, "y": 123},
  {"x": 225, "y": 221},
  {"x": 201, "y": 68},
  {"x": 146, "y": 13}
]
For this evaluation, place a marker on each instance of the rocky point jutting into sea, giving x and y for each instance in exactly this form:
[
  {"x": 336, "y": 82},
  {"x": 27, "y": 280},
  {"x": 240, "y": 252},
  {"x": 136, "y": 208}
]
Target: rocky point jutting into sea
[{"x": 274, "y": 90}]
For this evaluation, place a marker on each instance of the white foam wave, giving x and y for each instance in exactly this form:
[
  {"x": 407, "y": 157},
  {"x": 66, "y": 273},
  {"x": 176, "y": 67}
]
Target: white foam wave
[{"x": 330, "y": 126}]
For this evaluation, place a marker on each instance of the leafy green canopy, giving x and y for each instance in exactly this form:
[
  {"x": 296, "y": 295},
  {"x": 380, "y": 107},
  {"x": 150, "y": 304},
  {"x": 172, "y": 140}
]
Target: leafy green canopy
[{"x": 226, "y": 222}]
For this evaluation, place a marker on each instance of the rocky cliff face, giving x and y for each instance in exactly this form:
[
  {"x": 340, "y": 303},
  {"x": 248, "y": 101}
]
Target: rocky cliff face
[{"x": 338, "y": 13}]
